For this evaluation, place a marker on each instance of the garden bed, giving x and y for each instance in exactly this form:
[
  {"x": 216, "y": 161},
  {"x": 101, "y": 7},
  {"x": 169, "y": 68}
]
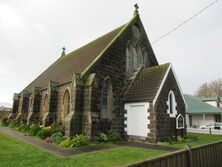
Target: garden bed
[{"x": 55, "y": 134}]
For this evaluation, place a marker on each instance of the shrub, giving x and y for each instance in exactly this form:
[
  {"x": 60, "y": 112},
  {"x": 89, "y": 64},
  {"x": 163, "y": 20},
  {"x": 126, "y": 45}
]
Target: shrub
[
  {"x": 23, "y": 127},
  {"x": 57, "y": 137},
  {"x": 102, "y": 138},
  {"x": 5, "y": 122},
  {"x": 79, "y": 140},
  {"x": 34, "y": 129},
  {"x": 56, "y": 128},
  {"x": 113, "y": 136},
  {"x": 65, "y": 143},
  {"x": 45, "y": 132},
  {"x": 13, "y": 124},
  {"x": 166, "y": 139},
  {"x": 180, "y": 139}
]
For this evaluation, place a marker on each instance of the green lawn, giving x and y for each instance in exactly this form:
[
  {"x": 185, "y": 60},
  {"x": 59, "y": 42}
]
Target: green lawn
[
  {"x": 202, "y": 139},
  {"x": 14, "y": 152}
]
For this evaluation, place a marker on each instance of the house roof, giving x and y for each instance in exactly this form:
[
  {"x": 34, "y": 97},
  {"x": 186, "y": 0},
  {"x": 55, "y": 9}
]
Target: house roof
[
  {"x": 196, "y": 106},
  {"x": 147, "y": 83},
  {"x": 77, "y": 61},
  {"x": 210, "y": 98}
]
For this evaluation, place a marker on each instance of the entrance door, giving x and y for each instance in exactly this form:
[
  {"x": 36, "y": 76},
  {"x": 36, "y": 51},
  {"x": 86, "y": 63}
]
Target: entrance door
[{"x": 137, "y": 120}]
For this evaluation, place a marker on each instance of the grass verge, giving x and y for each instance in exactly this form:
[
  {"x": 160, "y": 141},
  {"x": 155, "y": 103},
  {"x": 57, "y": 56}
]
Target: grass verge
[
  {"x": 14, "y": 152},
  {"x": 202, "y": 139}
]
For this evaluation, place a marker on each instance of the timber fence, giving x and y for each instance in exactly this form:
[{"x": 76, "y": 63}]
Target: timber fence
[{"x": 209, "y": 155}]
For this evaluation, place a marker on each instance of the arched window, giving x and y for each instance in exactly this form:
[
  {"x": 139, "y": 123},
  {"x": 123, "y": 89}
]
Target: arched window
[
  {"x": 136, "y": 32},
  {"x": 172, "y": 111},
  {"x": 135, "y": 58},
  {"x": 127, "y": 60},
  {"x": 145, "y": 59},
  {"x": 140, "y": 56},
  {"x": 30, "y": 104},
  {"x": 66, "y": 103},
  {"x": 46, "y": 103},
  {"x": 131, "y": 64},
  {"x": 106, "y": 99}
]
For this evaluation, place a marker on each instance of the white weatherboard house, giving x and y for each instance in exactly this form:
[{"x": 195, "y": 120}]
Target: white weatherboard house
[{"x": 199, "y": 113}]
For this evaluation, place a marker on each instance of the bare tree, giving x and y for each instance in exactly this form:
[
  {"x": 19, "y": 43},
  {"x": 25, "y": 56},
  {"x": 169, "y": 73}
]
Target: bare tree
[{"x": 213, "y": 88}]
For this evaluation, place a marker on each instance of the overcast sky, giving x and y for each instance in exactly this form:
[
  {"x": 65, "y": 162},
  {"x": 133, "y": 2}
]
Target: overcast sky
[{"x": 33, "y": 32}]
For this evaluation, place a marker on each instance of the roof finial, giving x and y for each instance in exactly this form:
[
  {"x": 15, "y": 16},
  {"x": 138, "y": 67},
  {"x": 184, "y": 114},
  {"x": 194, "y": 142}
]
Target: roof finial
[
  {"x": 63, "y": 51},
  {"x": 136, "y": 12}
]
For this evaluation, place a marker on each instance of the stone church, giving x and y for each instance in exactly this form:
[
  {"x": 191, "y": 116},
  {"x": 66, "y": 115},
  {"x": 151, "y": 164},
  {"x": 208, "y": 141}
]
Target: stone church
[{"x": 112, "y": 83}]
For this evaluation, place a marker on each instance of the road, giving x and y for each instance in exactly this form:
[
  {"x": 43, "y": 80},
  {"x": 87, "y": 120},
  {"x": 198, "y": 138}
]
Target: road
[{"x": 207, "y": 131}]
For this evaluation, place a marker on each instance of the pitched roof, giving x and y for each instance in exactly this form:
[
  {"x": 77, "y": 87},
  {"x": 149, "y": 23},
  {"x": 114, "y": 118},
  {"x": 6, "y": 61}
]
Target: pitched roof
[
  {"x": 77, "y": 61},
  {"x": 147, "y": 83},
  {"x": 196, "y": 106},
  {"x": 210, "y": 98}
]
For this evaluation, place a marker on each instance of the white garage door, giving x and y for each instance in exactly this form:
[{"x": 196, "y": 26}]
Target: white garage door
[{"x": 137, "y": 120}]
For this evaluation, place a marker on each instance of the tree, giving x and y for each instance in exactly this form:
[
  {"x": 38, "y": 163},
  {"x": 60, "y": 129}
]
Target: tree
[{"x": 214, "y": 88}]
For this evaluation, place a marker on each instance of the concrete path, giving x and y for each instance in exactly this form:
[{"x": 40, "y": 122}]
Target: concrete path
[{"x": 72, "y": 151}]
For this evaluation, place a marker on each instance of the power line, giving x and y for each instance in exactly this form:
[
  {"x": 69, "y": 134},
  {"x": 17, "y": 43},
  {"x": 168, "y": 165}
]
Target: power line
[{"x": 186, "y": 21}]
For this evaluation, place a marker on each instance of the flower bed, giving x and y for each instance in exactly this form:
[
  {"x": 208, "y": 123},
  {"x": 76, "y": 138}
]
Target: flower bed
[{"x": 54, "y": 134}]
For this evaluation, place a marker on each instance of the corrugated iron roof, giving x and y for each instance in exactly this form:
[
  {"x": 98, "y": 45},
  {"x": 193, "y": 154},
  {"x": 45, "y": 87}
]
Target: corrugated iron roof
[{"x": 196, "y": 106}]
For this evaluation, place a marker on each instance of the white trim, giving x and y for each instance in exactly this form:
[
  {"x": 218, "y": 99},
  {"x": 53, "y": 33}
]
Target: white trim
[
  {"x": 161, "y": 85},
  {"x": 177, "y": 121},
  {"x": 181, "y": 92},
  {"x": 174, "y": 104},
  {"x": 163, "y": 81}
]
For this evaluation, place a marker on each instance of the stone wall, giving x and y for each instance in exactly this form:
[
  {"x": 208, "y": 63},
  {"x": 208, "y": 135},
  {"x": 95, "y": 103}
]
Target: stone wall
[{"x": 166, "y": 125}]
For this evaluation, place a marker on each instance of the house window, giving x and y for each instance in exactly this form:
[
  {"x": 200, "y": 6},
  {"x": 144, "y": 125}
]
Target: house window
[
  {"x": 135, "y": 58},
  {"x": 127, "y": 60},
  {"x": 66, "y": 103},
  {"x": 136, "y": 33},
  {"x": 145, "y": 59},
  {"x": 140, "y": 56},
  {"x": 171, "y": 103},
  {"x": 46, "y": 103},
  {"x": 106, "y": 99},
  {"x": 30, "y": 104}
]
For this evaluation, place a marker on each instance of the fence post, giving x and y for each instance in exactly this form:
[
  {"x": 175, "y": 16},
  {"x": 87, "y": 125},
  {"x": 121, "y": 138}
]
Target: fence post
[{"x": 189, "y": 156}]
